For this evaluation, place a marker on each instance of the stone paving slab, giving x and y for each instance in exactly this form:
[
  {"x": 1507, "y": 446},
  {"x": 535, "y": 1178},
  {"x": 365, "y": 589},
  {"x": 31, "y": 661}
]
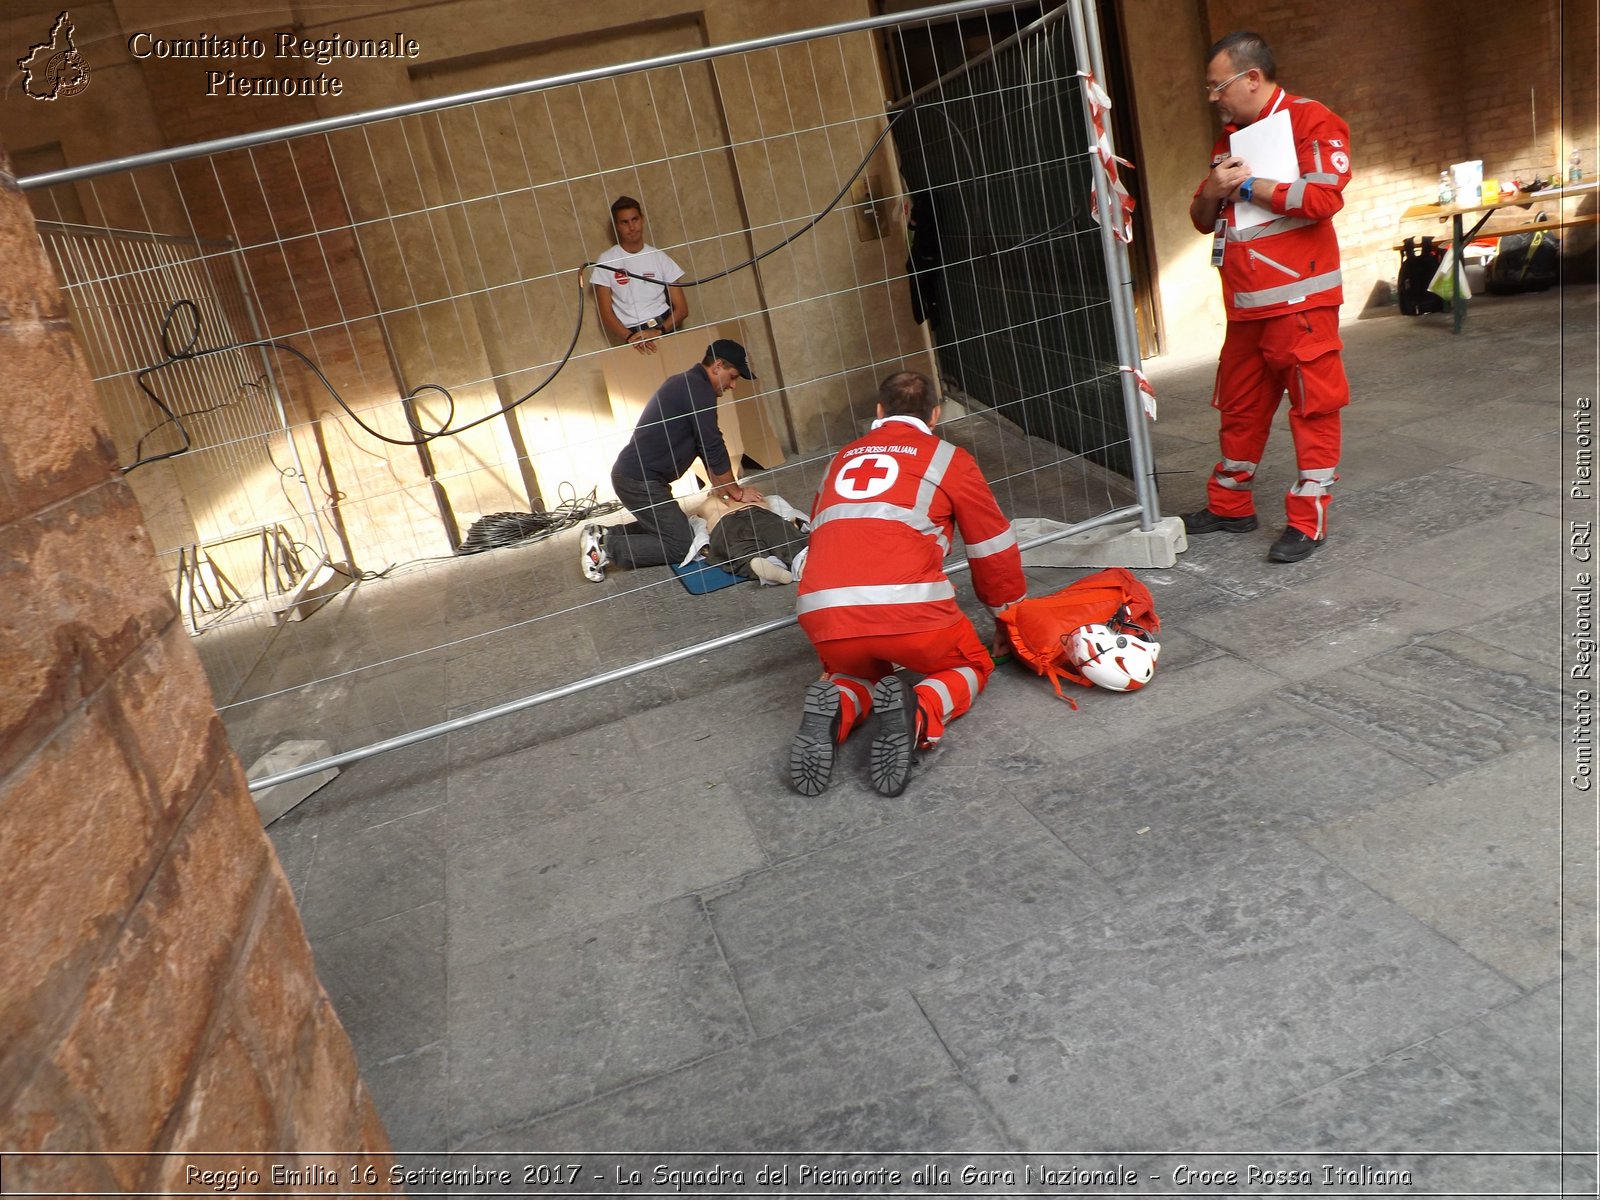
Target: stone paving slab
[
  {"x": 1337, "y": 620},
  {"x": 1525, "y": 630},
  {"x": 875, "y": 1078},
  {"x": 382, "y": 870},
  {"x": 1493, "y": 424},
  {"x": 387, "y": 981},
  {"x": 1173, "y": 699},
  {"x": 1265, "y": 771},
  {"x": 1476, "y": 857},
  {"x": 593, "y": 710},
  {"x": 1236, "y": 563},
  {"x": 979, "y": 756},
  {"x": 1537, "y": 460},
  {"x": 1445, "y": 704},
  {"x": 560, "y": 1021},
  {"x": 1410, "y": 511},
  {"x": 1536, "y": 1055},
  {"x": 375, "y": 791},
  {"x": 843, "y": 924},
  {"x": 1488, "y": 564},
  {"x": 628, "y": 850},
  {"x": 349, "y": 711},
  {"x": 1161, "y": 1023},
  {"x": 509, "y": 664},
  {"x": 498, "y": 796},
  {"x": 1410, "y": 1098},
  {"x": 746, "y": 699},
  {"x": 1373, "y": 456},
  {"x": 412, "y": 1092}
]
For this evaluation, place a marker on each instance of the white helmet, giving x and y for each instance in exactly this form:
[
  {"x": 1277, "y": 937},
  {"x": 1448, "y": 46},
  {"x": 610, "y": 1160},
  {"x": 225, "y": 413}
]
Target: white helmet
[{"x": 1113, "y": 656}]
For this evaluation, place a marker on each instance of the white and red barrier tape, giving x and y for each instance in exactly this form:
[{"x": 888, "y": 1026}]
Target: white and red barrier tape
[
  {"x": 1147, "y": 391},
  {"x": 1099, "y": 105}
]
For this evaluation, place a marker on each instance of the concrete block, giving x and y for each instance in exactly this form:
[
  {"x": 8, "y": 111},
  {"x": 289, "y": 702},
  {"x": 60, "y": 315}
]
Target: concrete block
[
  {"x": 319, "y": 585},
  {"x": 278, "y": 799},
  {"x": 1121, "y": 545}
]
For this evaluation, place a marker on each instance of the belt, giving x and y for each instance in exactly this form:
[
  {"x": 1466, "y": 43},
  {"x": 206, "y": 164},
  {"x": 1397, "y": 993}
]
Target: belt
[{"x": 652, "y": 323}]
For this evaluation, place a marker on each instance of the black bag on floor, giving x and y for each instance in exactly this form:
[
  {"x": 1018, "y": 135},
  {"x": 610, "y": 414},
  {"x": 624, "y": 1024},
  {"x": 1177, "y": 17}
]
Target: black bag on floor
[
  {"x": 1527, "y": 262},
  {"x": 1417, "y": 267}
]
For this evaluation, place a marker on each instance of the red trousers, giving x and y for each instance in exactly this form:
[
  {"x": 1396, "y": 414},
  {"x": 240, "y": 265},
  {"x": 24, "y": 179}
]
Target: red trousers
[
  {"x": 954, "y": 662},
  {"x": 1298, "y": 353}
]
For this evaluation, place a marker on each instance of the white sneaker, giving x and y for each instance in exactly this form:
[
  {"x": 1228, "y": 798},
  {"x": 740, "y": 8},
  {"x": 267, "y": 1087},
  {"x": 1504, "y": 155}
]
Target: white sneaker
[
  {"x": 595, "y": 558},
  {"x": 770, "y": 571}
]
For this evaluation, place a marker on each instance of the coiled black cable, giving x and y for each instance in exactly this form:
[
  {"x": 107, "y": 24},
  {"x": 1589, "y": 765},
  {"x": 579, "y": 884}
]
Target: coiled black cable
[
  {"x": 514, "y": 528},
  {"x": 188, "y": 353}
]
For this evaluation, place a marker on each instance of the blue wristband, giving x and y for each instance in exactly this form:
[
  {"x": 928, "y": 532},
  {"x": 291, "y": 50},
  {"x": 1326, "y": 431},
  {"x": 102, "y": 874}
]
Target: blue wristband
[{"x": 1244, "y": 188}]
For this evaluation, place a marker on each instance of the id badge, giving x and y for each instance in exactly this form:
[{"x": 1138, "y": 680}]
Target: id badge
[{"x": 1219, "y": 239}]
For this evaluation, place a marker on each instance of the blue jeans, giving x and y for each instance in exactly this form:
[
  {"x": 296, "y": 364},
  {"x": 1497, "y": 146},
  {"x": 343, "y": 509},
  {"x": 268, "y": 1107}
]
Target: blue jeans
[{"x": 658, "y": 535}]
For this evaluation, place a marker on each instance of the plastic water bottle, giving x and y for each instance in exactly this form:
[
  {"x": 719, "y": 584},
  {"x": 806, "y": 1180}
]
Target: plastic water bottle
[{"x": 1447, "y": 194}]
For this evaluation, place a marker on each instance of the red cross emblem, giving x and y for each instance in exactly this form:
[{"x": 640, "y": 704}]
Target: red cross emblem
[{"x": 870, "y": 475}]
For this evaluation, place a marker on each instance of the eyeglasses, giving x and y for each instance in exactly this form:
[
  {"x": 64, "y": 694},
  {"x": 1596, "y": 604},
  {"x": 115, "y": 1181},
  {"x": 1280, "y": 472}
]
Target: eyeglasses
[{"x": 1217, "y": 89}]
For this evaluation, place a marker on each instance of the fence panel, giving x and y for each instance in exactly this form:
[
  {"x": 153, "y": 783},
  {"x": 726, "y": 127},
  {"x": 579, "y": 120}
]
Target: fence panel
[{"x": 377, "y": 335}]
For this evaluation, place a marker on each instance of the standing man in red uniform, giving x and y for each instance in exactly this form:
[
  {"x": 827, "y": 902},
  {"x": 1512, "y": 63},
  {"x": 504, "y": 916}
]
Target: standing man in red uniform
[
  {"x": 1282, "y": 288},
  {"x": 873, "y": 592}
]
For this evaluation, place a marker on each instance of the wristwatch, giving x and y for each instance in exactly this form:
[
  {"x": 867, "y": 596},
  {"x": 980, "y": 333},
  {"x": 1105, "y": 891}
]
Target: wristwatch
[{"x": 1244, "y": 188}]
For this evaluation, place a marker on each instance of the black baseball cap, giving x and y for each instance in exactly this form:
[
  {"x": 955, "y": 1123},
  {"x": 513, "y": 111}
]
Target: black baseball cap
[{"x": 731, "y": 353}]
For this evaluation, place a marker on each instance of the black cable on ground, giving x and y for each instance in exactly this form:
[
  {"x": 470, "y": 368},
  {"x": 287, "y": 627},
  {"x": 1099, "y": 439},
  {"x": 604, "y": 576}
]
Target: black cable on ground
[{"x": 495, "y": 530}]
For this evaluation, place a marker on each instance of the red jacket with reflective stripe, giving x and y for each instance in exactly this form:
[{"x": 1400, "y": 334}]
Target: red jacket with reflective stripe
[
  {"x": 881, "y": 526},
  {"x": 1291, "y": 262}
]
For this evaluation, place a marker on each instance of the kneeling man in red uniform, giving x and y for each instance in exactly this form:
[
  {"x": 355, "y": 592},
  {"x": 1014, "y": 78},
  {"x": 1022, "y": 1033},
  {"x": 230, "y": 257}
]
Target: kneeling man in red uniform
[{"x": 873, "y": 592}]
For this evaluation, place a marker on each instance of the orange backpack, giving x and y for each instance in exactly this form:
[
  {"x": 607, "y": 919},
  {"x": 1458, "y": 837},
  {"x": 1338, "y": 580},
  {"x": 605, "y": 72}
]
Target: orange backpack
[{"x": 1040, "y": 626}]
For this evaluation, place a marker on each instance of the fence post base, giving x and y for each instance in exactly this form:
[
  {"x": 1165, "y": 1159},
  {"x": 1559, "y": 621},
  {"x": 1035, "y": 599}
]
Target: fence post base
[
  {"x": 1120, "y": 545},
  {"x": 272, "y": 802}
]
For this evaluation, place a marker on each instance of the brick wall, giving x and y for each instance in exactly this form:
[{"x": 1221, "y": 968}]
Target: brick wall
[{"x": 157, "y": 996}]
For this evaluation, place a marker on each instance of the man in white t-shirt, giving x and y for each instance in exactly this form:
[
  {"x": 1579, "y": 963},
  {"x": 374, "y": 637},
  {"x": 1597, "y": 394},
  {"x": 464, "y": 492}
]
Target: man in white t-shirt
[{"x": 635, "y": 284}]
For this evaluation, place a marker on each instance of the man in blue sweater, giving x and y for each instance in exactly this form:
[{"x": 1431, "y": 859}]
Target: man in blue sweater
[{"x": 679, "y": 423}]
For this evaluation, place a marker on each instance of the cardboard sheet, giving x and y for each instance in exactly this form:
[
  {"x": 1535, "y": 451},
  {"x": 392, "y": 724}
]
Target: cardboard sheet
[{"x": 631, "y": 377}]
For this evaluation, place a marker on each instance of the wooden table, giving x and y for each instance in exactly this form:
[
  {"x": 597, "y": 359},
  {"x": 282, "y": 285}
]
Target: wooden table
[{"x": 1455, "y": 213}]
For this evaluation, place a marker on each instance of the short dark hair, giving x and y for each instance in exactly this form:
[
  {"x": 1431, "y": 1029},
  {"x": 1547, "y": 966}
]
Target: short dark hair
[
  {"x": 1246, "y": 50},
  {"x": 908, "y": 394},
  {"x": 621, "y": 203}
]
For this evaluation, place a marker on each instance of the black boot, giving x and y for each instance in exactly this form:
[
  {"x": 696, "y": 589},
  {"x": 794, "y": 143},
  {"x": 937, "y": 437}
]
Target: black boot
[
  {"x": 1206, "y": 521},
  {"x": 811, "y": 752},
  {"x": 1293, "y": 546}
]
